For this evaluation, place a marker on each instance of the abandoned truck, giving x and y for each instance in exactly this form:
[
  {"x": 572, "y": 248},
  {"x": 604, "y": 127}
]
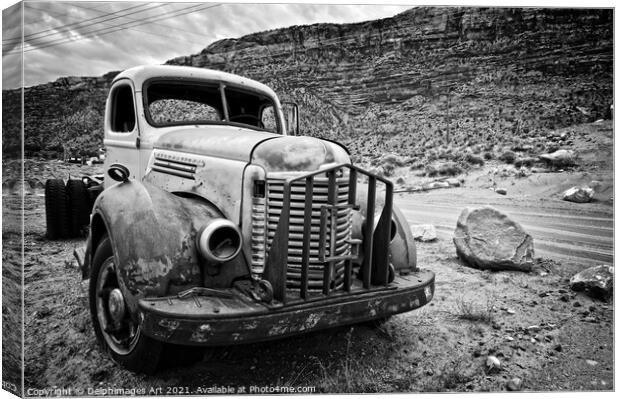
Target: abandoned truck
[{"x": 217, "y": 224}]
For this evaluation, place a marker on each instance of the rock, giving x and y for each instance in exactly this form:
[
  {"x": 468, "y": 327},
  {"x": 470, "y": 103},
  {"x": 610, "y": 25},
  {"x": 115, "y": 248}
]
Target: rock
[
  {"x": 424, "y": 232},
  {"x": 578, "y": 194},
  {"x": 501, "y": 191},
  {"x": 493, "y": 363},
  {"x": 596, "y": 281},
  {"x": 559, "y": 158},
  {"x": 436, "y": 184},
  {"x": 453, "y": 182},
  {"x": 488, "y": 239},
  {"x": 514, "y": 384},
  {"x": 595, "y": 184},
  {"x": 558, "y": 348},
  {"x": 592, "y": 362}
]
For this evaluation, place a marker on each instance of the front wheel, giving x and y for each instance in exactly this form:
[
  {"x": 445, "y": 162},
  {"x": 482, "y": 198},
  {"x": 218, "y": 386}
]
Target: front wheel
[{"x": 114, "y": 327}]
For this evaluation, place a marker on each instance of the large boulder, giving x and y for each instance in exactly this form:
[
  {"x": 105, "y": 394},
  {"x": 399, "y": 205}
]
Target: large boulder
[
  {"x": 559, "y": 158},
  {"x": 578, "y": 194},
  {"x": 596, "y": 281},
  {"x": 488, "y": 239}
]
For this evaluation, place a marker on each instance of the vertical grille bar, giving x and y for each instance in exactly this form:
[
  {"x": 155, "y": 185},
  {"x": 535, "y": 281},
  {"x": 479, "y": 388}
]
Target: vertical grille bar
[
  {"x": 305, "y": 255},
  {"x": 275, "y": 269},
  {"x": 331, "y": 200},
  {"x": 380, "y": 270},
  {"x": 388, "y": 211},
  {"x": 352, "y": 197},
  {"x": 368, "y": 236}
]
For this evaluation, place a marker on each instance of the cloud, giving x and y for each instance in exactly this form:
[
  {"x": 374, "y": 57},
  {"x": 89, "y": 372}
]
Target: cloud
[{"x": 92, "y": 38}]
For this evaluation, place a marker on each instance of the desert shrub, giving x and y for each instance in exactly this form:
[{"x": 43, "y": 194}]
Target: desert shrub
[
  {"x": 525, "y": 161},
  {"x": 443, "y": 169},
  {"x": 431, "y": 171},
  {"x": 474, "y": 160},
  {"x": 417, "y": 165},
  {"x": 488, "y": 156},
  {"x": 388, "y": 169},
  {"x": 508, "y": 157},
  {"x": 393, "y": 159}
]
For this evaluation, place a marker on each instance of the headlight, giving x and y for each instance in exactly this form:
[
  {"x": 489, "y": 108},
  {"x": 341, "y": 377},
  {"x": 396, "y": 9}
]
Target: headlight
[{"x": 219, "y": 241}]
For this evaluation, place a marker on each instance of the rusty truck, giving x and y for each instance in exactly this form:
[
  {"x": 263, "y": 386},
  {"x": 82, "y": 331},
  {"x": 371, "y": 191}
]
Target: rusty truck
[{"x": 217, "y": 223}]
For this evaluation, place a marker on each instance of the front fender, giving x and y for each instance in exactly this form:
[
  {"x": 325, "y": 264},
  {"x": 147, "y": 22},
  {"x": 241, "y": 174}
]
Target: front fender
[
  {"x": 402, "y": 252},
  {"x": 153, "y": 237}
]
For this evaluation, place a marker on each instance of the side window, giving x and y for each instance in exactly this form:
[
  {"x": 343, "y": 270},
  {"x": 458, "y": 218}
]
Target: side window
[
  {"x": 268, "y": 119},
  {"x": 123, "y": 114}
]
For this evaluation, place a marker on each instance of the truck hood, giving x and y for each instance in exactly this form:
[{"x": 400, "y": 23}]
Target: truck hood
[
  {"x": 298, "y": 154},
  {"x": 274, "y": 152},
  {"x": 228, "y": 142}
]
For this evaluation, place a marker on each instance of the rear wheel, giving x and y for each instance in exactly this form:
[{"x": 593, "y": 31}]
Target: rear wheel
[
  {"x": 56, "y": 215},
  {"x": 78, "y": 202},
  {"x": 114, "y": 327}
]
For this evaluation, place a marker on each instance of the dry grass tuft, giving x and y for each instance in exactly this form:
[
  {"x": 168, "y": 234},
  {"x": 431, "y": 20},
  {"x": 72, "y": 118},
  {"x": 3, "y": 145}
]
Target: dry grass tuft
[
  {"x": 472, "y": 311},
  {"x": 349, "y": 376}
]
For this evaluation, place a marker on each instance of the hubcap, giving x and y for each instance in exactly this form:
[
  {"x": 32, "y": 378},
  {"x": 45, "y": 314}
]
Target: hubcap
[{"x": 116, "y": 305}]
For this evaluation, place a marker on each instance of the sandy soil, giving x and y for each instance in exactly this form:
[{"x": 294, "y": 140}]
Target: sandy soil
[{"x": 541, "y": 332}]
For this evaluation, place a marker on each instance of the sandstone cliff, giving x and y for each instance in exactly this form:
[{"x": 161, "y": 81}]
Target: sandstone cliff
[{"x": 424, "y": 78}]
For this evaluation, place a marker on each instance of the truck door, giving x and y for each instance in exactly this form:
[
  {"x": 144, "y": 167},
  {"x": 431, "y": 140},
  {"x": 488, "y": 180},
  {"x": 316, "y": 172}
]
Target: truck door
[{"x": 121, "y": 132}]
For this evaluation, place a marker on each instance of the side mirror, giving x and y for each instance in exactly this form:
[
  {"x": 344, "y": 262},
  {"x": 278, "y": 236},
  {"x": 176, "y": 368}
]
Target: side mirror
[{"x": 291, "y": 115}]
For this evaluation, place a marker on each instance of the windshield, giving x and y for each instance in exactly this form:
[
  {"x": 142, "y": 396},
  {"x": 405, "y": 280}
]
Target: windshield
[{"x": 191, "y": 103}]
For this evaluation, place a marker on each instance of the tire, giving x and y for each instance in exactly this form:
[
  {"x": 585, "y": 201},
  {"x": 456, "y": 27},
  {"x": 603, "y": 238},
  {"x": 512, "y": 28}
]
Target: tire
[
  {"x": 126, "y": 344},
  {"x": 78, "y": 208},
  {"x": 56, "y": 209}
]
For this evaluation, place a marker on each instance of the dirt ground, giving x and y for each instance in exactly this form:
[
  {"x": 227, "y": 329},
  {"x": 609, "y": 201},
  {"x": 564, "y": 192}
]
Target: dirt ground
[{"x": 542, "y": 333}]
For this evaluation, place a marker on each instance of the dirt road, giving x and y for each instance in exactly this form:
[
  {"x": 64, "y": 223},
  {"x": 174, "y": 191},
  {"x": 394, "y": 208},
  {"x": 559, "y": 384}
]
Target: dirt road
[{"x": 561, "y": 230}]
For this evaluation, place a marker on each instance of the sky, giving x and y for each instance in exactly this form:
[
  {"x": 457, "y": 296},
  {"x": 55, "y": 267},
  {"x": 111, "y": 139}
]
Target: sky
[{"x": 91, "y": 38}]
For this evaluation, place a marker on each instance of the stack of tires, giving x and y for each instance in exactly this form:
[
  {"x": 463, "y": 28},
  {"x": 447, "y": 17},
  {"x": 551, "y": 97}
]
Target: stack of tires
[{"x": 67, "y": 208}]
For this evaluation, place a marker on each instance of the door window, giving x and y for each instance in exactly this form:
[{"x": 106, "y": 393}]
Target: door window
[{"x": 123, "y": 111}]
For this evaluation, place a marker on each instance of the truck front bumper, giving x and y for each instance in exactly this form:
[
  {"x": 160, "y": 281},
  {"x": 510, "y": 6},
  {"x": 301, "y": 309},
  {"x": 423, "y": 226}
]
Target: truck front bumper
[{"x": 213, "y": 321}]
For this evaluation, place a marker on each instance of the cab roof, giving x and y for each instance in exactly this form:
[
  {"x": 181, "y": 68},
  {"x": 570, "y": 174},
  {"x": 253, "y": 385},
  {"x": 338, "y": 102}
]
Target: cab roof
[{"x": 138, "y": 75}]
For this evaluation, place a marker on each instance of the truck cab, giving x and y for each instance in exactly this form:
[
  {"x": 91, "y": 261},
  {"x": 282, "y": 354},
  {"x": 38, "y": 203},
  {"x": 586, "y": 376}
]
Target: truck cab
[{"x": 219, "y": 224}]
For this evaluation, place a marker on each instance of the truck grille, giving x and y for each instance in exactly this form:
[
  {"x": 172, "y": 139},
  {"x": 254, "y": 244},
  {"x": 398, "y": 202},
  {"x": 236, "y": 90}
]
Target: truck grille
[{"x": 275, "y": 191}]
